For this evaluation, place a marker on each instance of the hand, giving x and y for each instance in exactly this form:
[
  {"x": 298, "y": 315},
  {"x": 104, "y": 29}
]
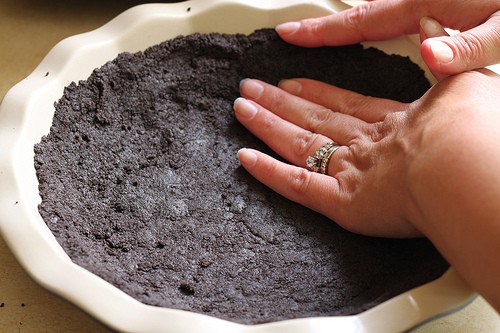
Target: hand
[
  {"x": 426, "y": 168},
  {"x": 476, "y": 46},
  {"x": 365, "y": 185},
  {"x": 373, "y": 180}
]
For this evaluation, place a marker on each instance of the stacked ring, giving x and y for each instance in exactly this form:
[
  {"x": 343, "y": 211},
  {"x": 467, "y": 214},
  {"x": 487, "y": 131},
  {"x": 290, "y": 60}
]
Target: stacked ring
[{"x": 321, "y": 158}]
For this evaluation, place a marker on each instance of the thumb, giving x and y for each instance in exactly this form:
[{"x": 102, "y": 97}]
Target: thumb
[{"x": 471, "y": 49}]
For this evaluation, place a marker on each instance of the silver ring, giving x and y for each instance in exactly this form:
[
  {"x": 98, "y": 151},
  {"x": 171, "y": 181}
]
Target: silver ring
[{"x": 321, "y": 158}]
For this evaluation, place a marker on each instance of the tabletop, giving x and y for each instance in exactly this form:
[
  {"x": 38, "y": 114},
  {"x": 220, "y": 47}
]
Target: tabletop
[{"x": 28, "y": 30}]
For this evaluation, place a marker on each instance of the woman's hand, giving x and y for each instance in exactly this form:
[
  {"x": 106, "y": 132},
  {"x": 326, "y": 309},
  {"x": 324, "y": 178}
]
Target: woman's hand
[
  {"x": 365, "y": 188},
  {"x": 372, "y": 180},
  {"x": 428, "y": 168},
  {"x": 477, "y": 46}
]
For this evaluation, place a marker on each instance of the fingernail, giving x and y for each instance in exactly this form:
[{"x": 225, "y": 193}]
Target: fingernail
[
  {"x": 247, "y": 157},
  {"x": 287, "y": 28},
  {"x": 291, "y": 86},
  {"x": 432, "y": 28},
  {"x": 244, "y": 108},
  {"x": 441, "y": 51},
  {"x": 251, "y": 88}
]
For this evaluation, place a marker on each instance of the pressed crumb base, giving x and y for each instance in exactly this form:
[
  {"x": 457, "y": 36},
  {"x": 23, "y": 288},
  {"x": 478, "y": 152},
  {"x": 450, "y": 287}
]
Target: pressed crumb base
[{"x": 141, "y": 185}]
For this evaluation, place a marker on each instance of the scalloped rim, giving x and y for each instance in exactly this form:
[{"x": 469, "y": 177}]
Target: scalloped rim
[{"x": 26, "y": 115}]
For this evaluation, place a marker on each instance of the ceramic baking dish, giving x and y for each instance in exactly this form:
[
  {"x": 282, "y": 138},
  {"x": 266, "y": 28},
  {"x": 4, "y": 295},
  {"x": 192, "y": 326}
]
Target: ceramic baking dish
[{"x": 26, "y": 115}]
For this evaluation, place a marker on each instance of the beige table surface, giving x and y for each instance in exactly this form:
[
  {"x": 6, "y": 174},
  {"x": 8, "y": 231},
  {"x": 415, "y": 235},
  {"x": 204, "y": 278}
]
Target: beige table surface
[{"x": 28, "y": 29}]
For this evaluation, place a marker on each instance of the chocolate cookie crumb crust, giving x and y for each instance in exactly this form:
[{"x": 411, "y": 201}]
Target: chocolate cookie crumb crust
[{"x": 140, "y": 184}]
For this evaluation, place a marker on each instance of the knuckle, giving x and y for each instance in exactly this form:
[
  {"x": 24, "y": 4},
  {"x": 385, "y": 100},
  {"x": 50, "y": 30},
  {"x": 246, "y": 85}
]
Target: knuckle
[
  {"x": 304, "y": 143},
  {"x": 391, "y": 123},
  {"x": 470, "y": 48},
  {"x": 374, "y": 134},
  {"x": 271, "y": 169},
  {"x": 274, "y": 99},
  {"x": 355, "y": 16},
  {"x": 267, "y": 122},
  {"x": 315, "y": 26},
  {"x": 363, "y": 155},
  {"x": 354, "y": 103},
  {"x": 300, "y": 179},
  {"x": 317, "y": 119}
]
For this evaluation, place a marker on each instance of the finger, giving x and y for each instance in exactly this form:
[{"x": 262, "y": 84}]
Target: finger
[
  {"x": 294, "y": 183},
  {"x": 366, "y": 108},
  {"x": 312, "y": 117},
  {"x": 378, "y": 20},
  {"x": 475, "y": 48},
  {"x": 288, "y": 140},
  {"x": 430, "y": 28}
]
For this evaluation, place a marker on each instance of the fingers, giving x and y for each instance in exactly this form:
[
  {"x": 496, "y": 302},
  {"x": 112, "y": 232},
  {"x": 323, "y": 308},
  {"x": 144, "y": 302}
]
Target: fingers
[
  {"x": 287, "y": 139},
  {"x": 475, "y": 48},
  {"x": 295, "y": 127},
  {"x": 294, "y": 183},
  {"x": 430, "y": 28},
  {"x": 307, "y": 116},
  {"x": 366, "y": 108},
  {"x": 377, "y": 20},
  {"x": 268, "y": 113}
]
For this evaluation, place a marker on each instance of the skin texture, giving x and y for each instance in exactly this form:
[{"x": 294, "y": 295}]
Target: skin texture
[{"x": 427, "y": 168}]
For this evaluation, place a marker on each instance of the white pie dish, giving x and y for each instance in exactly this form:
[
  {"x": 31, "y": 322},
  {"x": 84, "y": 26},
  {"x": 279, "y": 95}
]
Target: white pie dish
[{"x": 26, "y": 115}]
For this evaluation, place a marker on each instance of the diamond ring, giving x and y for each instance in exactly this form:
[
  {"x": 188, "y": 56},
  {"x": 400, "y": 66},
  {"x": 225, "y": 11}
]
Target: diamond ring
[{"x": 321, "y": 158}]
